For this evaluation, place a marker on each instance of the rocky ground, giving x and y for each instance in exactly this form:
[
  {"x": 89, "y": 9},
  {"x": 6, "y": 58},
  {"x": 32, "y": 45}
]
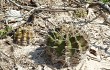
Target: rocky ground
[{"x": 40, "y": 16}]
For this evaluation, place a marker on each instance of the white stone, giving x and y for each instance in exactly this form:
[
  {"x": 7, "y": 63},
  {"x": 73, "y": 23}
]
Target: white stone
[
  {"x": 47, "y": 68},
  {"x": 39, "y": 67},
  {"x": 108, "y": 18},
  {"x": 13, "y": 15}
]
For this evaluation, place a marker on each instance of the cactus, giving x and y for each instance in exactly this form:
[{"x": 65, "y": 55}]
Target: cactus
[
  {"x": 80, "y": 13},
  {"x": 56, "y": 41},
  {"x": 5, "y": 31},
  {"x": 65, "y": 43},
  {"x": 23, "y": 36}
]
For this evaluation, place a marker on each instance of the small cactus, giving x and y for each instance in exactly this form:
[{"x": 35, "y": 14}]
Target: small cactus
[
  {"x": 56, "y": 41},
  {"x": 23, "y": 36},
  {"x": 80, "y": 13},
  {"x": 61, "y": 43},
  {"x": 5, "y": 31}
]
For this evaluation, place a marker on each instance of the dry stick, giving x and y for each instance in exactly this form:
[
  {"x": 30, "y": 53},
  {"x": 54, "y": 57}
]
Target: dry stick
[
  {"x": 44, "y": 8},
  {"x": 32, "y": 10},
  {"x": 36, "y": 9},
  {"x": 60, "y": 9},
  {"x": 22, "y": 7},
  {"x": 52, "y": 8}
]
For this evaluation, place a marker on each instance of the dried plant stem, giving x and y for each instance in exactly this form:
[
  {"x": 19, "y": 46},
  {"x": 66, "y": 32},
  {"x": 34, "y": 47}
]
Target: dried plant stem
[{"x": 52, "y": 8}]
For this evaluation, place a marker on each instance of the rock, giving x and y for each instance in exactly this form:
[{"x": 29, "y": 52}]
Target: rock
[
  {"x": 47, "y": 68},
  {"x": 39, "y": 67},
  {"x": 13, "y": 15},
  {"x": 108, "y": 18},
  {"x": 92, "y": 17}
]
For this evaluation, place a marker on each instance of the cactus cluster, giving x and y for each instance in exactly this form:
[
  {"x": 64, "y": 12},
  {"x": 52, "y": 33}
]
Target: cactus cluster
[
  {"x": 61, "y": 42},
  {"x": 5, "y": 31},
  {"x": 80, "y": 13},
  {"x": 23, "y": 36}
]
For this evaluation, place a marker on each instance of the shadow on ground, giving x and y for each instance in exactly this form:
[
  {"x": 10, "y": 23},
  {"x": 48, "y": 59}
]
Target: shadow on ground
[{"x": 40, "y": 57}]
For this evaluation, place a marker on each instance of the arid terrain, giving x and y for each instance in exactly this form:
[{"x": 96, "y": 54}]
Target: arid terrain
[{"x": 54, "y": 35}]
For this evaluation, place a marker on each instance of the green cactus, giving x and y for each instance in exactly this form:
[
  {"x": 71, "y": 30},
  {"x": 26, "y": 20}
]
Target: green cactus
[
  {"x": 68, "y": 42},
  {"x": 62, "y": 43},
  {"x": 56, "y": 41},
  {"x": 74, "y": 45},
  {"x": 82, "y": 43},
  {"x": 5, "y": 31},
  {"x": 8, "y": 28}
]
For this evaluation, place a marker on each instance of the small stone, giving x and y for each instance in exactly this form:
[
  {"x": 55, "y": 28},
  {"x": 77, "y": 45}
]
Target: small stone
[
  {"x": 40, "y": 67},
  {"x": 47, "y": 68},
  {"x": 13, "y": 15}
]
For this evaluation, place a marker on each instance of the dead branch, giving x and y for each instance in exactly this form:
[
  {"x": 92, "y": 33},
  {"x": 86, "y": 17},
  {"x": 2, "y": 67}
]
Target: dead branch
[
  {"x": 47, "y": 8},
  {"x": 20, "y": 6}
]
